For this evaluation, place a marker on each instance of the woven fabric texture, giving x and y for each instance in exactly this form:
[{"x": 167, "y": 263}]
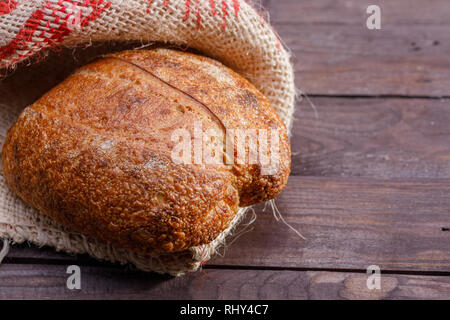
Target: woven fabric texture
[{"x": 231, "y": 31}]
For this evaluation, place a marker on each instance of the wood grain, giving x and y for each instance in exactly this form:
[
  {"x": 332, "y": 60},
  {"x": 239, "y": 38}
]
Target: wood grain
[
  {"x": 336, "y": 54},
  {"x": 371, "y": 180},
  {"x": 352, "y": 223},
  {"x": 353, "y": 12},
  {"x": 49, "y": 281},
  {"x": 380, "y": 138},
  {"x": 349, "y": 224},
  {"x": 333, "y": 51}
]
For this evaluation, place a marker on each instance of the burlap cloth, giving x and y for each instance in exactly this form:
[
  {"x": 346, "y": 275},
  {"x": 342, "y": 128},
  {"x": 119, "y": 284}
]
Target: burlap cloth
[{"x": 231, "y": 31}]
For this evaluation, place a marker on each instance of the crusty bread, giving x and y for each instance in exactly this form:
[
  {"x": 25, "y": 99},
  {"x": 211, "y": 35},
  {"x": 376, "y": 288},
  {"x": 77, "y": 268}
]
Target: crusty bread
[{"x": 94, "y": 153}]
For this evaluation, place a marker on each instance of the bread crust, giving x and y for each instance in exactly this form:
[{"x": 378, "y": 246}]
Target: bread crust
[{"x": 94, "y": 153}]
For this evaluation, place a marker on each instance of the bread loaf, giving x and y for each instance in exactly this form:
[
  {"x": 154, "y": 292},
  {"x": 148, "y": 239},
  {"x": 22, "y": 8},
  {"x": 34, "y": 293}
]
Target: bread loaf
[{"x": 95, "y": 153}]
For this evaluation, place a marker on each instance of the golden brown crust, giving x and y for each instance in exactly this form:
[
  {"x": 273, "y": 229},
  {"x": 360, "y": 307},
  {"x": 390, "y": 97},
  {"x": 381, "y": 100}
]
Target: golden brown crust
[{"x": 94, "y": 153}]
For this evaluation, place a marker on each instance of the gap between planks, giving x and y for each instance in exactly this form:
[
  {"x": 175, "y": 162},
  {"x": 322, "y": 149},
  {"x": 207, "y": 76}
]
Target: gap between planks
[{"x": 90, "y": 262}]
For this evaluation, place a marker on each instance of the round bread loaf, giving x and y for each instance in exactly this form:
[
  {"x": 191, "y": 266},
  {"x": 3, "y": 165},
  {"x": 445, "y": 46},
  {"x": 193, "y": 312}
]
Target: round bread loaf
[{"x": 95, "y": 153}]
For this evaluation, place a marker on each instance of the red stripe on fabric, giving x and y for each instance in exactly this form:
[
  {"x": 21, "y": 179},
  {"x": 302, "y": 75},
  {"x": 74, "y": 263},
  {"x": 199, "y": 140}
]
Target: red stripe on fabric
[
  {"x": 24, "y": 37},
  {"x": 225, "y": 13},
  {"x": 236, "y": 7},
  {"x": 213, "y": 7},
  {"x": 6, "y": 6},
  {"x": 166, "y": 4},
  {"x": 199, "y": 14}
]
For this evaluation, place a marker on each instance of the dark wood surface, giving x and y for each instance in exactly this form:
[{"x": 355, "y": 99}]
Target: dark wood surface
[
  {"x": 370, "y": 180},
  {"x": 49, "y": 281}
]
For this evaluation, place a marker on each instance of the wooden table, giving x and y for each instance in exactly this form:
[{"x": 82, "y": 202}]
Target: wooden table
[{"x": 370, "y": 180}]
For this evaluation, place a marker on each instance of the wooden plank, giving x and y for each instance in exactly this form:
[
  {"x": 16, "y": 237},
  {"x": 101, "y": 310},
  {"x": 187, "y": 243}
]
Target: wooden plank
[
  {"x": 336, "y": 54},
  {"x": 382, "y": 138},
  {"x": 344, "y": 60},
  {"x": 351, "y": 224},
  {"x": 49, "y": 281},
  {"x": 353, "y": 12},
  {"x": 333, "y": 51}
]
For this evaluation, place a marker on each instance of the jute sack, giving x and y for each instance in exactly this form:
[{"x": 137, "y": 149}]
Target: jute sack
[{"x": 230, "y": 31}]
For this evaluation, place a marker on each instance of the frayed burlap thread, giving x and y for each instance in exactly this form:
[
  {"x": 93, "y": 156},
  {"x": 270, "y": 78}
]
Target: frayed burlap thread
[{"x": 231, "y": 31}]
